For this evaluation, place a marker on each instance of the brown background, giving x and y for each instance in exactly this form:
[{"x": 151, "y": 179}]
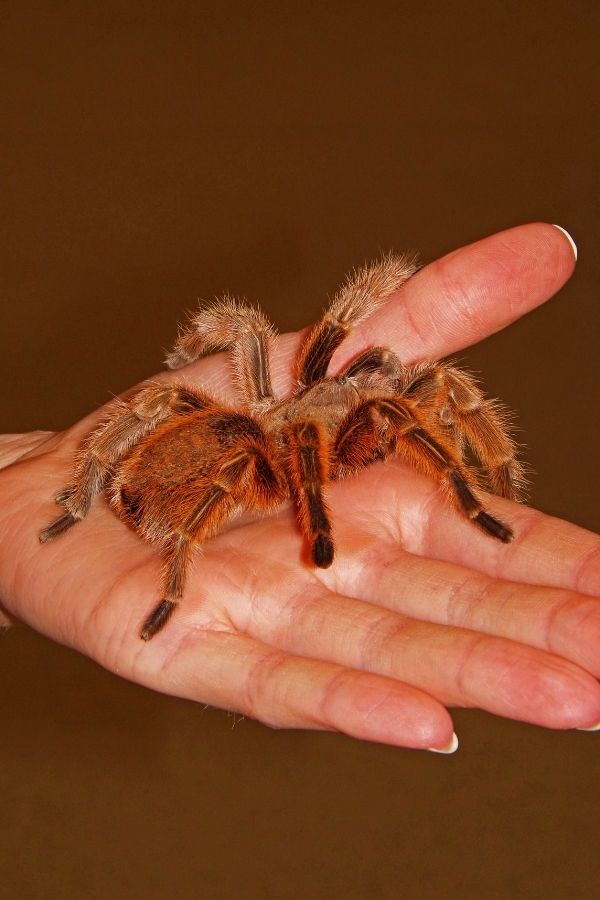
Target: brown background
[{"x": 155, "y": 152}]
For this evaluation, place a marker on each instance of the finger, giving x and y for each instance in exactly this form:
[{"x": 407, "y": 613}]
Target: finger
[
  {"x": 560, "y": 621},
  {"x": 238, "y": 673},
  {"x": 198, "y": 657},
  {"x": 470, "y": 293},
  {"x": 457, "y": 666},
  {"x": 545, "y": 550},
  {"x": 15, "y": 446},
  {"x": 448, "y": 305},
  {"x": 394, "y": 504}
]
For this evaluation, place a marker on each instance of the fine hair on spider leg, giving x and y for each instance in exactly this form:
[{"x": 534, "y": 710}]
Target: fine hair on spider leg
[
  {"x": 481, "y": 423},
  {"x": 364, "y": 291},
  {"x": 176, "y": 464},
  {"x": 233, "y": 325}
]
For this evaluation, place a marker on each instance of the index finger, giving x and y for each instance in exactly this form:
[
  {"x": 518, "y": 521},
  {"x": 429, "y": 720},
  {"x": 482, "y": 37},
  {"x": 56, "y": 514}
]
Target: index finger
[
  {"x": 470, "y": 293},
  {"x": 449, "y": 304}
]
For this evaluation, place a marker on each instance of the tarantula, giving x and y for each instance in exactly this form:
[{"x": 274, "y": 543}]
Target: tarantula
[{"x": 176, "y": 463}]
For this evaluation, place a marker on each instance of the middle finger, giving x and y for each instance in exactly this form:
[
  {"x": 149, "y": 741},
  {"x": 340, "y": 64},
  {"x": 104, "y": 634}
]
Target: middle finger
[{"x": 458, "y": 666}]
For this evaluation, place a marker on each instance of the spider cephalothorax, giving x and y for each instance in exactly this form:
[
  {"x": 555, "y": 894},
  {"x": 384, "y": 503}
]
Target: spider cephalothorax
[{"x": 176, "y": 464}]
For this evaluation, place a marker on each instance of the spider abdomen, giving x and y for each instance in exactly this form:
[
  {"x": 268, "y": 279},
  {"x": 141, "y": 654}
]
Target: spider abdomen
[{"x": 184, "y": 477}]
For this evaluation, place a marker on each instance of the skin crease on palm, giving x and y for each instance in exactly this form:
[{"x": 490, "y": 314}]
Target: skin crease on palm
[{"x": 420, "y": 610}]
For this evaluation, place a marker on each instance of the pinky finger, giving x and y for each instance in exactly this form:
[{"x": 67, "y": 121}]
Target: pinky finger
[{"x": 241, "y": 674}]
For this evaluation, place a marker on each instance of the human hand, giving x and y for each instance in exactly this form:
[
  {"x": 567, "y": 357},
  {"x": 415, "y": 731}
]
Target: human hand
[{"x": 420, "y": 610}]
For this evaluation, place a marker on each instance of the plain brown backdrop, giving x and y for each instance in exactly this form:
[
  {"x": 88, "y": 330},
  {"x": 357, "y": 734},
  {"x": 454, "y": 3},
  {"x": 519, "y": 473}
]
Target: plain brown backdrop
[{"x": 156, "y": 152}]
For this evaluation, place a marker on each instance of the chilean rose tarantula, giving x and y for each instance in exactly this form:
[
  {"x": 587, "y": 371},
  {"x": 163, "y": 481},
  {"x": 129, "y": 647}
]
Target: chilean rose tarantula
[{"x": 177, "y": 464}]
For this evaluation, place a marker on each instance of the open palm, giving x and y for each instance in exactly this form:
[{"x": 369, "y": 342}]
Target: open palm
[{"x": 420, "y": 610}]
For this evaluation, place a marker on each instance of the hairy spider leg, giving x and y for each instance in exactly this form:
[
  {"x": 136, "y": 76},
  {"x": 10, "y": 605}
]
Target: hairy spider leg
[
  {"x": 175, "y": 564},
  {"x": 460, "y": 404},
  {"x": 126, "y": 425},
  {"x": 463, "y": 411},
  {"x": 246, "y": 477},
  {"x": 308, "y": 468},
  {"x": 242, "y": 330},
  {"x": 362, "y": 433},
  {"x": 365, "y": 290}
]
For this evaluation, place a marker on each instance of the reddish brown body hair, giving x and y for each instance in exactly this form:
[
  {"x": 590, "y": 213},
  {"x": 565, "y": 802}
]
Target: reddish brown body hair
[{"x": 176, "y": 464}]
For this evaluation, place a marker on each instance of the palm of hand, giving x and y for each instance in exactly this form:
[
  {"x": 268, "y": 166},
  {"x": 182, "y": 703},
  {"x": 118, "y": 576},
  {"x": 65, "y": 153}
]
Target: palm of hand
[{"x": 420, "y": 611}]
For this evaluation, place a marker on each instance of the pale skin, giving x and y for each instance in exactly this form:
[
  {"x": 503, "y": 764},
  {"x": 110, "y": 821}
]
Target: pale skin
[{"x": 420, "y": 611}]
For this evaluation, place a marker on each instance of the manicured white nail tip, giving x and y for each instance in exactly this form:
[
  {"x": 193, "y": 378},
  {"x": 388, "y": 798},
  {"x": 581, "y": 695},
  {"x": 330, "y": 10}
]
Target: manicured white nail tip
[
  {"x": 452, "y": 747},
  {"x": 569, "y": 238},
  {"x": 595, "y": 727}
]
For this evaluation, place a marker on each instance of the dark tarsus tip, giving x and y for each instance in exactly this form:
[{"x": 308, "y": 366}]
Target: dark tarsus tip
[
  {"x": 57, "y": 527},
  {"x": 157, "y": 619},
  {"x": 322, "y": 551},
  {"x": 494, "y": 527}
]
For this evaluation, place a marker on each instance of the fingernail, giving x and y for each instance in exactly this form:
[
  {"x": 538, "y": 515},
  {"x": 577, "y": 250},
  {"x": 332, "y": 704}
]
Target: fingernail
[
  {"x": 595, "y": 727},
  {"x": 569, "y": 238},
  {"x": 452, "y": 747}
]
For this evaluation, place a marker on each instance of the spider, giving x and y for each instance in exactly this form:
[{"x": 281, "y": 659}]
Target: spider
[{"x": 176, "y": 463}]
